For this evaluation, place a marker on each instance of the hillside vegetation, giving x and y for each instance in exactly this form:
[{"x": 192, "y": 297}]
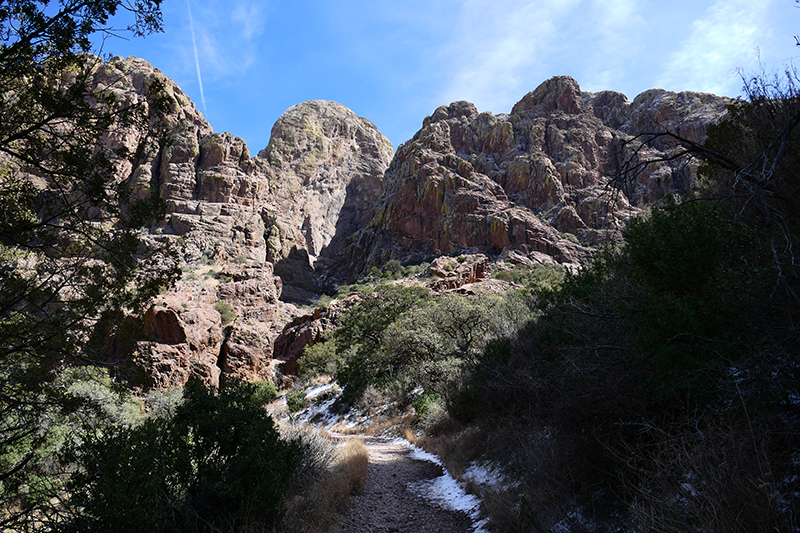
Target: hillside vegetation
[{"x": 655, "y": 389}]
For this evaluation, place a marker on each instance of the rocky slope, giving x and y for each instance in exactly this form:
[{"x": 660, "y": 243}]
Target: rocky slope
[
  {"x": 251, "y": 229},
  {"x": 325, "y": 200},
  {"x": 530, "y": 183}
]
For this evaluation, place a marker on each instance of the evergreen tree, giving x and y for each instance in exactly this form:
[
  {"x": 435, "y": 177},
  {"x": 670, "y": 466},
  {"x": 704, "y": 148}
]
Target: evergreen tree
[{"x": 70, "y": 225}]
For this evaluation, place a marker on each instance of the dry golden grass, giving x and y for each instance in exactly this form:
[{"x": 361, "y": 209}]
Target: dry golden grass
[
  {"x": 315, "y": 510},
  {"x": 350, "y": 469},
  {"x": 343, "y": 429},
  {"x": 456, "y": 450},
  {"x": 391, "y": 425},
  {"x": 396, "y": 424},
  {"x": 409, "y": 435}
]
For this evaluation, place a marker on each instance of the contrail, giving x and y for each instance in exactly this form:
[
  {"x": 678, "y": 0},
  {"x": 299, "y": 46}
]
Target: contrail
[{"x": 196, "y": 59}]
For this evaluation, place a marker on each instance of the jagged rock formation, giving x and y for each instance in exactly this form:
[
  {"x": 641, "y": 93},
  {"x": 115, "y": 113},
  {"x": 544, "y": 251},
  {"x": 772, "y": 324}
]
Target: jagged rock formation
[
  {"x": 307, "y": 330},
  {"x": 531, "y": 185},
  {"x": 315, "y": 182},
  {"x": 279, "y": 213},
  {"x": 450, "y": 273},
  {"x": 520, "y": 182}
]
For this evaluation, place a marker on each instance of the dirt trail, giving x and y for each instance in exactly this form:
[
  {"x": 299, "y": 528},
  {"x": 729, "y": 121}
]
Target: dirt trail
[{"x": 387, "y": 505}]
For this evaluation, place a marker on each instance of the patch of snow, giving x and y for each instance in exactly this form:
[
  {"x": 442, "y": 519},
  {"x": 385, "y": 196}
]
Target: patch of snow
[
  {"x": 318, "y": 414},
  {"x": 421, "y": 455},
  {"x": 488, "y": 475},
  {"x": 316, "y": 391},
  {"x": 444, "y": 490}
]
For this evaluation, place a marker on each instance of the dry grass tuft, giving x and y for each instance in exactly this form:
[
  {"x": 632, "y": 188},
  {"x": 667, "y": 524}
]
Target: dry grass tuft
[
  {"x": 350, "y": 469},
  {"x": 315, "y": 509},
  {"x": 394, "y": 424},
  {"x": 456, "y": 450},
  {"x": 343, "y": 429},
  {"x": 409, "y": 435}
]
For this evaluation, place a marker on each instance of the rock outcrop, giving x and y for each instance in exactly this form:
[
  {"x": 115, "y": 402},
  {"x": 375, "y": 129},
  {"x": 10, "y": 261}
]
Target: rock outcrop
[
  {"x": 537, "y": 181},
  {"x": 307, "y": 330},
  {"x": 220, "y": 322},
  {"x": 450, "y": 273},
  {"x": 250, "y": 229},
  {"x": 326, "y": 200}
]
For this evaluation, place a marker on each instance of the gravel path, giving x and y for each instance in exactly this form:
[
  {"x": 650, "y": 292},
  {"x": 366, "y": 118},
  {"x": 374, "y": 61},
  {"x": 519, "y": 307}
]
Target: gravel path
[{"x": 388, "y": 506}]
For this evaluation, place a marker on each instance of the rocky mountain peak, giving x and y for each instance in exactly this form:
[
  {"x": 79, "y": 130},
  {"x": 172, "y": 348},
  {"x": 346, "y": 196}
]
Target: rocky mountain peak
[
  {"x": 329, "y": 197},
  {"x": 535, "y": 182},
  {"x": 319, "y": 126},
  {"x": 561, "y": 93}
]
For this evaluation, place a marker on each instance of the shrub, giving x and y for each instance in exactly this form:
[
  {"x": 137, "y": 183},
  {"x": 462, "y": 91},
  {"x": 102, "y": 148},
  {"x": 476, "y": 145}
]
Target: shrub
[
  {"x": 219, "y": 464},
  {"x": 425, "y": 402},
  {"x": 296, "y": 400},
  {"x": 570, "y": 237},
  {"x": 328, "y": 475},
  {"x": 226, "y": 313},
  {"x": 360, "y": 338},
  {"x": 319, "y": 358},
  {"x": 263, "y": 392},
  {"x": 393, "y": 268},
  {"x": 504, "y": 275}
]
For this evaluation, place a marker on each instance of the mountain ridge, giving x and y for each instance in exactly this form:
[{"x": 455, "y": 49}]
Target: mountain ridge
[{"x": 328, "y": 198}]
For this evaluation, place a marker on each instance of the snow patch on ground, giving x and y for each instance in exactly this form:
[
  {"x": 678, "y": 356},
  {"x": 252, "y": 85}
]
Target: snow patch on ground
[
  {"x": 444, "y": 490},
  {"x": 319, "y": 414},
  {"x": 488, "y": 475}
]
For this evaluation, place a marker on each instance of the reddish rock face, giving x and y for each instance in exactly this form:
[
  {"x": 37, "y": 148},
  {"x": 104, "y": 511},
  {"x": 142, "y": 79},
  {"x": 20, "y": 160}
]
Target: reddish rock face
[
  {"x": 521, "y": 182},
  {"x": 182, "y": 340},
  {"x": 306, "y": 330},
  {"x": 281, "y": 213},
  {"x": 184, "y": 333},
  {"x": 451, "y": 273},
  {"x": 530, "y": 184}
]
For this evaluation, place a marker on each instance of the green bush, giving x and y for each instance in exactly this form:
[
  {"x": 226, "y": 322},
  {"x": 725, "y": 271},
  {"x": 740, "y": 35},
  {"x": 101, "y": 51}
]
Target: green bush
[
  {"x": 393, "y": 269},
  {"x": 296, "y": 400},
  {"x": 226, "y": 313},
  {"x": 263, "y": 392},
  {"x": 504, "y": 275},
  {"x": 319, "y": 358},
  {"x": 696, "y": 280},
  {"x": 219, "y": 464},
  {"x": 571, "y": 237},
  {"x": 425, "y": 402},
  {"x": 359, "y": 340}
]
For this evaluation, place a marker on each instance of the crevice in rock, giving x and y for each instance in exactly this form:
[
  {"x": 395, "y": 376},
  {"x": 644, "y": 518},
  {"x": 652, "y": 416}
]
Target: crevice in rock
[{"x": 222, "y": 359}]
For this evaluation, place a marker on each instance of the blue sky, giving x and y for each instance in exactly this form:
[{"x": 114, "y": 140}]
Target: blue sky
[{"x": 395, "y": 62}]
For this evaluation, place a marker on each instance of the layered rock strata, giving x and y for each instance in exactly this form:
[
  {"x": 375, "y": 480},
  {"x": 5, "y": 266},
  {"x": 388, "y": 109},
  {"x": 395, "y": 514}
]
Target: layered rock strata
[{"x": 251, "y": 229}]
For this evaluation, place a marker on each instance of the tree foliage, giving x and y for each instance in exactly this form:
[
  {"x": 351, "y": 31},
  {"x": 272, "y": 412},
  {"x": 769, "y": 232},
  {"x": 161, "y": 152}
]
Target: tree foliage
[
  {"x": 655, "y": 369},
  {"x": 71, "y": 255},
  {"x": 218, "y": 464},
  {"x": 361, "y": 334}
]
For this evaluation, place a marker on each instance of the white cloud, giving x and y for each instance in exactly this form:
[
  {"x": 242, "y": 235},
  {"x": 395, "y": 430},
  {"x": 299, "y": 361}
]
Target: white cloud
[
  {"x": 250, "y": 18},
  {"x": 496, "y": 42},
  {"x": 723, "y": 39}
]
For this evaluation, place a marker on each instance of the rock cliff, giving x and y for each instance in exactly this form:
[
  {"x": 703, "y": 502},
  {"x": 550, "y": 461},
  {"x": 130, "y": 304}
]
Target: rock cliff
[
  {"x": 537, "y": 181},
  {"x": 250, "y": 229},
  {"x": 326, "y": 199}
]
